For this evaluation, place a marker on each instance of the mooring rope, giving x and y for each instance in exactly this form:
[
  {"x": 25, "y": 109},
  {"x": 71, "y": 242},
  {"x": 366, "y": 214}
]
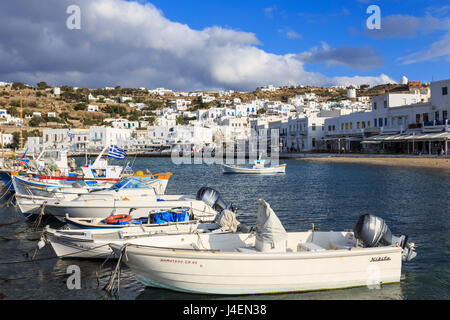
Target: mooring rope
[
  {"x": 109, "y": 288},
  {"x": 50, "y": 258},
  {"x": 41, "y": 214}
]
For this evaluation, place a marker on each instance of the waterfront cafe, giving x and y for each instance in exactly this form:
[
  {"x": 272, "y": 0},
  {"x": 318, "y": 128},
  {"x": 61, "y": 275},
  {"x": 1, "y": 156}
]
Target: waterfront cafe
[{"x": 410, "y": 143}]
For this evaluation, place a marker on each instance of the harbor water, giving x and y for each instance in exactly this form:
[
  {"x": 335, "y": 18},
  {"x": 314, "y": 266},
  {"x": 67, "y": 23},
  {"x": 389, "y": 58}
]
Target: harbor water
[{"x": 413, "y": 201}]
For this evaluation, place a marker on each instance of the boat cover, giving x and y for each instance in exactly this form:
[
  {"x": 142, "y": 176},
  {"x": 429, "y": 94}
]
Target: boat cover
[
  {"x": 171, "y": 216},
  {"x": 270, "y": 233},
  {"x": 226, "y": 219}
]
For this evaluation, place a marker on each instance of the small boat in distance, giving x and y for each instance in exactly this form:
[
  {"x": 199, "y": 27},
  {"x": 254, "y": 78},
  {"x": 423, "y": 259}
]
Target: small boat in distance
[{"x": 257, "y": 168}]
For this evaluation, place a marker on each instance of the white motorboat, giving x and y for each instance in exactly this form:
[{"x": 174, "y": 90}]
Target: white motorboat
[
  {"x": 94, "y": 243},
  {"x": 31, "y": 195},
  {"x": 258, "y": 168},
  {"x": 270, "y": 260},
  {"x": 126, "y": 221},
  {"x": 138, "y": 203}
]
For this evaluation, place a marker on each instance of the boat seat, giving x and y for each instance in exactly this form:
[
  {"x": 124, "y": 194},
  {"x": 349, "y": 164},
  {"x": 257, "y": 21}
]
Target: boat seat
[
  {"x": 339, "y": 246},
  {"x": 247, "y": 250},
  {"x": 309, "y": 246}
]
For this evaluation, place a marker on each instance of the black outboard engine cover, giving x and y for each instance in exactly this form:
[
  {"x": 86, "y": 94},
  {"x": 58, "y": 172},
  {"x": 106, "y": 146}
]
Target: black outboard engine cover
[
  {"x": 373, "y": 231},
  {"x": 212, "y": 198}
]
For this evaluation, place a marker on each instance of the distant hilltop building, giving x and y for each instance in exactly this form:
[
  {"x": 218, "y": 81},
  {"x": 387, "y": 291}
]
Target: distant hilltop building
[
  {"x": 56, "y": 91},
  {"x": 404, "y": 80},
  {"x": 351, "y": 93},
  {"x": 267, "y": 88}
]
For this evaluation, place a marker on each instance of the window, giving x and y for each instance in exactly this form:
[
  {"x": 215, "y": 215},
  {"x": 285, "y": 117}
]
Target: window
[
  {"x": 380, "y": 122},
  {"x": 375, "y": 105},
  {"x": 368, "y": 124},
  {"x": 436, "y": 116},
  {"x": 357, "y": 125},
  {"x": 425, "y": 117},
  {"x": 385, "y": 121},
  {"x": 363, "y": 124},
  {"x": 374, "y": 122},
  {"x": 323, "y": 127},
  {"x": 444, "y": 115},
  {"x": 385, "y": 103},
  {"x": 346, "y": 126},
  {"x": 342, "y": 126},
  {"x": 444, "y": 91},
  {"x": 313, "y": 127},
  {"x": 334, "y": 128},
  {"x": 351, "y": 125},
  {"x": 329, "y": 128},
  {"x": 417, "y": 118},
  {"x": 313, "y": 142}
]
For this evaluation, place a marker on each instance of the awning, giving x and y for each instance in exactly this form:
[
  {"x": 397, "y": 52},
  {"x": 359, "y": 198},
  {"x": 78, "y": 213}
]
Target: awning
[{"x": 409, "y": 137}]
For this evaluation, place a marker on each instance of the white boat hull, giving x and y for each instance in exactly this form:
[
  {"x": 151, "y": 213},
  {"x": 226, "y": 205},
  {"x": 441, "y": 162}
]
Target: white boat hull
[
  {"x": 93, "y": 243},
  {"x": 231, "y": 273},
  {"x": 106, "y": 207},
  {"x": 244, "y": 170}
]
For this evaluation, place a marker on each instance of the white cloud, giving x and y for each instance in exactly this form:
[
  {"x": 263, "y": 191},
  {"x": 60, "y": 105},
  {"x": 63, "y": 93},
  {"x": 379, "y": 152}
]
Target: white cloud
[
  {"x": 132, "y": 44},
  {"x": 437, "y": 49}
]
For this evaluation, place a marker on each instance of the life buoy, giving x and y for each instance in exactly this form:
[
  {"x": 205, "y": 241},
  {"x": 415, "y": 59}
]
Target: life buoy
[{"x": 124, "y": 218}]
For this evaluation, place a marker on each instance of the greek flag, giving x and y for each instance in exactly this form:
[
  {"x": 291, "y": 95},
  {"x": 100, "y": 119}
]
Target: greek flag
[{"x": 117, "y": 153}]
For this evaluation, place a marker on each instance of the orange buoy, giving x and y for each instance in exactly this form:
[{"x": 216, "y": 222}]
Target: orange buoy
[{"x": 118, "y": 218}]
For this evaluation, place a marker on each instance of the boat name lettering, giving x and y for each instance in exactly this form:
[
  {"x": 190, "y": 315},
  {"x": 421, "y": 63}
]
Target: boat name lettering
[
  {"x": 178, "y": 261},
  {"x": 379, "y": 259}
]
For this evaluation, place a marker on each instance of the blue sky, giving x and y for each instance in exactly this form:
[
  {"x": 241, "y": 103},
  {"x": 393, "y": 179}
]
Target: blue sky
[
  {"x": 338, "y": 23},
  {"x": 239, "y": 45}
]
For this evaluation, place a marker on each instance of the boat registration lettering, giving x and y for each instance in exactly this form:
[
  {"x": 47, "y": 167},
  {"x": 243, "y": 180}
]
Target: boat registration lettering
[
  {"x": 379, "y": 259},
  {"x": 180, "y": 261}
]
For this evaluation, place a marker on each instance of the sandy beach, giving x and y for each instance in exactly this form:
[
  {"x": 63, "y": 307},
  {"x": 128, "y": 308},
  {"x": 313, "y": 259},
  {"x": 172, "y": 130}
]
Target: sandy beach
[{"x": 437, "y": 163}]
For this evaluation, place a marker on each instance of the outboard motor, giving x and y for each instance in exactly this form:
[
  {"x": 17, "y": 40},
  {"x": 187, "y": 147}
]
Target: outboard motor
[
  {"x": 212, "y": 198},
  {"x": 373, "y": 232}
]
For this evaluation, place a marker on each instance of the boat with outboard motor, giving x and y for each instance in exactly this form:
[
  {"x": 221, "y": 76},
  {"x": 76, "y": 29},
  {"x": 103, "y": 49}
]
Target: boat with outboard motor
[
  {"x": 270, "y": 260},
  {"x": 94, "y": 243},
  {"x": 139, "y": 202}
]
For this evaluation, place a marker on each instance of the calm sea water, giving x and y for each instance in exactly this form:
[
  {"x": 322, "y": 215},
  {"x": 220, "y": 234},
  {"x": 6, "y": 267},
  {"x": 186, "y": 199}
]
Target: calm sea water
[{"x": 413, "y": 201}]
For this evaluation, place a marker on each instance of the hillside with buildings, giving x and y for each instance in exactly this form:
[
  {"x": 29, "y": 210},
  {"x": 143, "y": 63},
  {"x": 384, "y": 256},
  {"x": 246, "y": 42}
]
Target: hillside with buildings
[{"x": 309, "y": 119}]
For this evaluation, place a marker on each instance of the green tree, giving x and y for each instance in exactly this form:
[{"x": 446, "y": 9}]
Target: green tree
[
  {"x": 18, "y": 86},
  {"x": 13, "y": 111},
  {"x": 81, "y": 106},
  {"x": 42, "y": 85},
  {"x": 36, "y": 121}
]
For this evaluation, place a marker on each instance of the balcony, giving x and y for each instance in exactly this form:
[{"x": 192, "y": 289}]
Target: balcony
[{"x": 436, "y": 123}]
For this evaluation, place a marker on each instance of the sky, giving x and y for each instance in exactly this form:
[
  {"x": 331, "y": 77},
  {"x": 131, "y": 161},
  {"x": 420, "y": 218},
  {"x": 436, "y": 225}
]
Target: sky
[{"x": 216, "y": 44}]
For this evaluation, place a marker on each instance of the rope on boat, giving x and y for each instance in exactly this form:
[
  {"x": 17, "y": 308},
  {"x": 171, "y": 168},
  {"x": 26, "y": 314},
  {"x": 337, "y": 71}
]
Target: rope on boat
[
  {"x": 6, "y": 190},
  {"x": 110, "y": 287},
  {"x": 41, "y": 214},
  {"x": 199, "y": 240},
  {"x": 50, "y": 258},
  {"x": 101, "y": 267}
]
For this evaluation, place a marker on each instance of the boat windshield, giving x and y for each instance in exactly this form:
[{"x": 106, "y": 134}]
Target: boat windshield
[{"x": 129, "y": 184}]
